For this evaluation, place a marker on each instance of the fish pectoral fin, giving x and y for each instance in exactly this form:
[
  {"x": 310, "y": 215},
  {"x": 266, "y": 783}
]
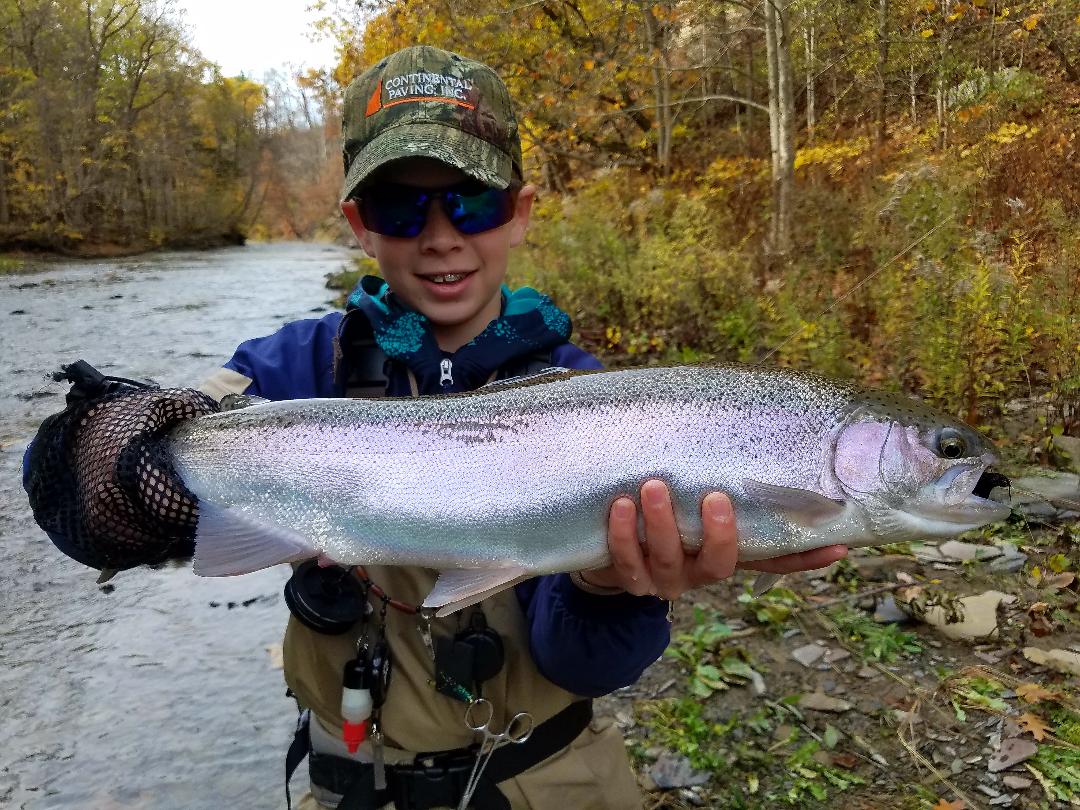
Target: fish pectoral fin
[
  {"x": 228, "y": 542},
  {"x": 458, "y": 588},
  {"x": 800, "y": 506},
  {"x": 764, "y": 582}
]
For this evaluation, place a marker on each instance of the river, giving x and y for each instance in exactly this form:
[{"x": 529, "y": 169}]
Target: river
[{"x": 161, "y": 691}]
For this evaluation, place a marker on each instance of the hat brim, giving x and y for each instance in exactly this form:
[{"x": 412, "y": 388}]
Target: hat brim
[{"x": 474, "y": 156}]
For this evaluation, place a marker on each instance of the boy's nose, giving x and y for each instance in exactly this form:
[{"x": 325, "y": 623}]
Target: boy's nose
[{"x": 439, "y": 233}]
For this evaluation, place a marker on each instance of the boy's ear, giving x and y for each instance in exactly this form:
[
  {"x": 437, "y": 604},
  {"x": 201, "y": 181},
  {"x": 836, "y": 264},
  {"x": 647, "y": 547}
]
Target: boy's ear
[
  {"x": 522, "y": 208},
  {"x": 352, "y": 214}
]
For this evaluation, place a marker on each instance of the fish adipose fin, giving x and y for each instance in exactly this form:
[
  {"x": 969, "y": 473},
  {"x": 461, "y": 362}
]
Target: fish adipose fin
[
  {"x": 458, "y": 588},
  {"x": 228, "y": 542},
  {"x": 800, "y": 506}
]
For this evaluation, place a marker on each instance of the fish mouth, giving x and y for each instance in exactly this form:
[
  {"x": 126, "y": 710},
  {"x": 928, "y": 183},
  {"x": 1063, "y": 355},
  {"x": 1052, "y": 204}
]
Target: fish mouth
[{"x": 965, "y": 492}]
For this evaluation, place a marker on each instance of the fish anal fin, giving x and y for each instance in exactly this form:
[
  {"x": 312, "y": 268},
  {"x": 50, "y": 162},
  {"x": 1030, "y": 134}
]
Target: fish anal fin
[
  {"x": 228, "y": 542},
  {"x": 801, "y": 506},
  {"x": 764, "y": 582},
  {"x": 458, "y": 588}
]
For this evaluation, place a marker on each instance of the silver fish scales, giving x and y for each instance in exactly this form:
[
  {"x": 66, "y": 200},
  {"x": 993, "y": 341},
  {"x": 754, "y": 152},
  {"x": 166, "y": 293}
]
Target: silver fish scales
[{"x": 516, "y": 479}]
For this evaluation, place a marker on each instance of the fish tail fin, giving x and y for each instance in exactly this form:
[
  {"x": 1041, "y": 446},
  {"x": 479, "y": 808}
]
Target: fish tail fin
[{"x": 228, "y": 542}]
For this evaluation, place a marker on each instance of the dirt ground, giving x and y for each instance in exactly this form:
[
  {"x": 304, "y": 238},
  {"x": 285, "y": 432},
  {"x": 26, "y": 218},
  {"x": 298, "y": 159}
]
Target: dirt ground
[{"x": 886, "y": 713}]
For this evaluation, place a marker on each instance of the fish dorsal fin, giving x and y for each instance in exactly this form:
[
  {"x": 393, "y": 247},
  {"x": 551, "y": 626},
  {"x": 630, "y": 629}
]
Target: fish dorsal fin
[
  {"x": 543, "y": 375},
  {"x": 458, "y": 588},
  {"x": 800, "y": 506},
  {"x": 236, "y": 402},
  {"x": 228, "y": 542}
]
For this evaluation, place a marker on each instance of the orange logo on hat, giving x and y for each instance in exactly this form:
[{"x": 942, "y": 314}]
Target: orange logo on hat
[{"x": 374, "y": 104}]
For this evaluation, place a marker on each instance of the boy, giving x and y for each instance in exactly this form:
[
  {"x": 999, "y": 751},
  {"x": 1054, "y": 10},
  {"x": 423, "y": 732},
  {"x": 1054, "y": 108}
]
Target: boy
[{"x": 434, "y": 192}]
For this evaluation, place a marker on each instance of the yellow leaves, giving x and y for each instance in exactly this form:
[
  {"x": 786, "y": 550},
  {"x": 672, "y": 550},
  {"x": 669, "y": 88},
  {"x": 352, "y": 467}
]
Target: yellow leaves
[
  {"x": 1029, "y": 23},
  {"x": 927, "y": 33},
  {"x": 1010, "y": 131},
  {"x": 1033, "y": 693},
  {"x": 930, "y": 7},
  {"x": 1033, "y": 724},
  {"x": 832, "y": 154},
  {"x": 589, "y": 64}
]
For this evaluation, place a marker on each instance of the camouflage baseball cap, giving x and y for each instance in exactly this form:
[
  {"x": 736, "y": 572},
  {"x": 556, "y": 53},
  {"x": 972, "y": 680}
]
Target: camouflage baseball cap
[{"x": 426, "y": 102}]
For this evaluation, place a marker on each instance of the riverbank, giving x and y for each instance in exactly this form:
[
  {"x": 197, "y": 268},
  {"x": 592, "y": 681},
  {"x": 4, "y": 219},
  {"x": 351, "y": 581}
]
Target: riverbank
[{"x": 19, "y": 253}]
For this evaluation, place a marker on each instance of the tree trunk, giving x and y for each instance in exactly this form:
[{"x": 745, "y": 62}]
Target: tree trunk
[
  {"x": 5, "y": 208},
  {"x": 655, "y": 31},
  {"x": 808, "y": 44},
  {"x": 942, "y": 101},
  {"x": 882, "y": 65},
  {"x": 781, "y": 119}
]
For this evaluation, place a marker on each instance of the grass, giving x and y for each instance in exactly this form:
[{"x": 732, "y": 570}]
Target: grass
[
  {"x": 10, "y": 266},
  {"x": 880, "y": 642}
]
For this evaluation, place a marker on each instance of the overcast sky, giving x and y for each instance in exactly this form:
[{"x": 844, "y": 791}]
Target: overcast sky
[{"x": 253, "y": 36}]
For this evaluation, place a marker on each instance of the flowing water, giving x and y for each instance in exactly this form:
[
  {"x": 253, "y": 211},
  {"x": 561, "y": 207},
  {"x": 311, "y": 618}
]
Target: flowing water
[{"x": 162, "y": 691}]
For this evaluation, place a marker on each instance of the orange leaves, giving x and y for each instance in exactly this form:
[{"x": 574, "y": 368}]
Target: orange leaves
[
  {"x": 1034, "y": 724},
  {"x": 1033, "y": 693},
  {"x": 944, "y": 805}
]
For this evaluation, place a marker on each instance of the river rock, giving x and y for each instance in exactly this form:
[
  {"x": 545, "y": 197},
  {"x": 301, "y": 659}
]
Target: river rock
[
  {"x": 821, "y": 702},
  {"x": 674, "y": 771},
  {"x": 958, "y": 550},
  {"x": 1012, "y": 752},
  {"x": 808, "y": 654},
  {"x": 1046, "y": 495},
  {"x": 1015, "y": 782},
  {"x": 979, "y": 616},
  {"x": 1061, "y": 660},
  {"x": 1069, "y": 446},
  {"x": 889, "y": 612}
]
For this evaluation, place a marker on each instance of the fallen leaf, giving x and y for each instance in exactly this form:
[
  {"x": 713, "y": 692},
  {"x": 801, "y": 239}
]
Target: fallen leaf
[
  {"x": 848, "y": 761},
  {"x": 944, "y": 805},
  {"x": 1033, "y": 693},
  {"x": 1034, "y": 724},
  {"x": 1059, "y": 581}
]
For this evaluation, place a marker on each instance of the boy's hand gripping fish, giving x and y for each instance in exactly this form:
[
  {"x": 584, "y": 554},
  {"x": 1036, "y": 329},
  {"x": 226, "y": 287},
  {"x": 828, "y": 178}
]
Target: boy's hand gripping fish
[{"x": 516, "y": 479}]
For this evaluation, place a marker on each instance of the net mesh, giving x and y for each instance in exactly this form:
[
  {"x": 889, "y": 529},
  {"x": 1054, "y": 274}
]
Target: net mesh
[{"x": 102, "y": 484}]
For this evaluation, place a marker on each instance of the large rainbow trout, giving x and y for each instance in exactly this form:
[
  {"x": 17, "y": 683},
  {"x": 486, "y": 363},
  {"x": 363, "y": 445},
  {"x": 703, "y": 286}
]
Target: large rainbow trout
[{"x": 516, "y": 479}]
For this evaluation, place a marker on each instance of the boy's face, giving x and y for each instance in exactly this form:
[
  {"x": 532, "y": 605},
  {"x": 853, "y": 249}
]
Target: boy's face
[{"x": 452, "y": 278}]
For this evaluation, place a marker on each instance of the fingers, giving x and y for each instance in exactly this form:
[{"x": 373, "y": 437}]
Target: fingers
[
  {"x": 663, "y": 544},
  {"x": 720, "y": 542},
  {"x": 627, "y": 556},
  {"x": 802, "y": 561}
]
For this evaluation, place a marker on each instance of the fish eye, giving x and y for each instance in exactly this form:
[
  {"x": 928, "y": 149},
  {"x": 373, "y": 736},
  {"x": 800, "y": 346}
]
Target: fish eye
[{"x": 951, "y": 444}]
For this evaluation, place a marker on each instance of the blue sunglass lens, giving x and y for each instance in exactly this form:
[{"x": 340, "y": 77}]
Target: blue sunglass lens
[
  {"x": 478, "y": 211},
  {"x": 401, "y": 211}
]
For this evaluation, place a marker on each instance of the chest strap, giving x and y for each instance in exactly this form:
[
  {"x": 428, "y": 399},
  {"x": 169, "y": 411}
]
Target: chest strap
[{"x": 435, "y": 779}]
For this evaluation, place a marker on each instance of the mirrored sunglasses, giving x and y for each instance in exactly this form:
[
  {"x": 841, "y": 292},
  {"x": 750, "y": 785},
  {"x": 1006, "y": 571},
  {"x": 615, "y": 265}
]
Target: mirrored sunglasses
[{"x": 402, "y": 211}]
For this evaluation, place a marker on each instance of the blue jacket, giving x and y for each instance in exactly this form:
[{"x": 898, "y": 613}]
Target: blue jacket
[{"x": 587, "y": 644}]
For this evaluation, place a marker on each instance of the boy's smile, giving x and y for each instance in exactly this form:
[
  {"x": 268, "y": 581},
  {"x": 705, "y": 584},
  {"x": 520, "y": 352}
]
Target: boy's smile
[{"x": 454, "y": 279}]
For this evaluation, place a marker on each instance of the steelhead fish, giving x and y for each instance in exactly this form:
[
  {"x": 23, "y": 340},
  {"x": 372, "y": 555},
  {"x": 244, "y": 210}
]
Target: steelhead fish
[{"x": 516, "y": 479}]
